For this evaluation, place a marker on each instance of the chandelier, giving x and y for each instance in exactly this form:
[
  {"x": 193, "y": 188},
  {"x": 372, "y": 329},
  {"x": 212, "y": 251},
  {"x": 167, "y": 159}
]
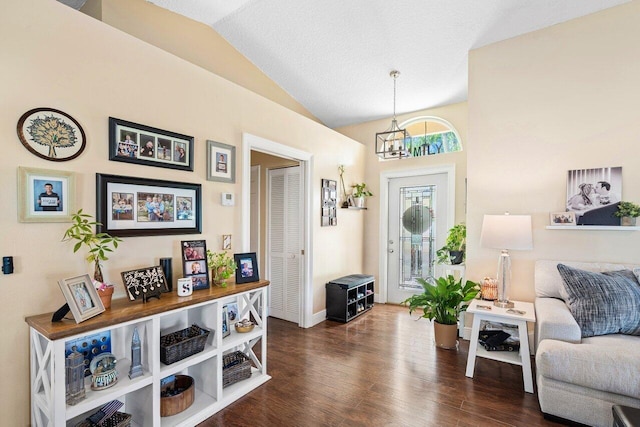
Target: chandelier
[{"x": 394, "y": 142}]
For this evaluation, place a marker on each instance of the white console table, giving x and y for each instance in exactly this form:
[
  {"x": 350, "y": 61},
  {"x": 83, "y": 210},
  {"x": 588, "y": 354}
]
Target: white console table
[{"x": 141, "y": 395}]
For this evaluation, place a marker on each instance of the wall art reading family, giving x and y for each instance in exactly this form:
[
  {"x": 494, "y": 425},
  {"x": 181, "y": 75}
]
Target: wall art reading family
[
  {"x": 45, "y": 195},
  {"x": 51, "y": 134},
  {"x": 134, "y": 143},
  {"x": 593, "y": 195},
  {"x": 194, "y": 264},
  {"x": 130, "y": 206},
  {"x": 144, "y": 283}
]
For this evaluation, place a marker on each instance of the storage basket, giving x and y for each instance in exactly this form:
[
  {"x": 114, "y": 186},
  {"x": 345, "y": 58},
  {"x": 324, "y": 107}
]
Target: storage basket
[
  {"x": 235, "y": 367},
  {"x": 175, "y": 404},
  {"x": 181, "y": 344}
]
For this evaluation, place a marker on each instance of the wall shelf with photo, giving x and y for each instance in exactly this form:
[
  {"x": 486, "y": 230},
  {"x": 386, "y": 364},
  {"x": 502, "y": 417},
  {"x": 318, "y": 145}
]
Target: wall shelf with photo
[{"x": 592, "y": 227}]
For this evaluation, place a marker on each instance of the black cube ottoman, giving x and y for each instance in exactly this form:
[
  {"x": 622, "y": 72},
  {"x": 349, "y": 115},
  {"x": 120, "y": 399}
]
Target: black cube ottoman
[{"x": 624, "y": 416}]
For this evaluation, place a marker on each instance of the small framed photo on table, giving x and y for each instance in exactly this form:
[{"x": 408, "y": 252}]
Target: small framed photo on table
[
  {"x": 82, "y": 297},
  {"x": 247, "y": 270},
  {"x": 225, "y": 322}
]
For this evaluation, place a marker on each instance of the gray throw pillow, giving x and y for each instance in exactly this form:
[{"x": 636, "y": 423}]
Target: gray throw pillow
[{"x": 602, "y": 303}]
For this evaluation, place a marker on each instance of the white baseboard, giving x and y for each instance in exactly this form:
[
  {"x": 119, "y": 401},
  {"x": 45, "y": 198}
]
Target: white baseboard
[{"x": 318, "y": 317}]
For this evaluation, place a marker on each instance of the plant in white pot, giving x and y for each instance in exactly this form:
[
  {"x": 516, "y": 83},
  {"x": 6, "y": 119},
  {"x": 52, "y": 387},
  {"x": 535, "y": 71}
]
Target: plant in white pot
[
  {"x": 360, "y": 192},
  {"x": 99, "y": 245},
  {"x": 627, "y": 212},
  {"x": 442, "y": 302}
]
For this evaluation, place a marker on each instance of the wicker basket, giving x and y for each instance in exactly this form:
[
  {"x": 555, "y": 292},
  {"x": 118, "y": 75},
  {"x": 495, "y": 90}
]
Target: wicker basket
[
  {"x": 182, "y": 344},
  {"x": 235, "y": 367}
]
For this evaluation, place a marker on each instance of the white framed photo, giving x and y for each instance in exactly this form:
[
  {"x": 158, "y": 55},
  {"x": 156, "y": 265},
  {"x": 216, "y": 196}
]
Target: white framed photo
[
  {"x": 82, "y": 297},
  {"x": 562, "y": 218}
]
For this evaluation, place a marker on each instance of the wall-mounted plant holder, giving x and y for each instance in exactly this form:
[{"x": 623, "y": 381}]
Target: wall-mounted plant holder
[{"x": 329, "y": 200}]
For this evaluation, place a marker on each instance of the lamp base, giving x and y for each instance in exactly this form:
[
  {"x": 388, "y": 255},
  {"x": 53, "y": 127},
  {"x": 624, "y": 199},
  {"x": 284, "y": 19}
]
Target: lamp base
[{"x": 503, "y": 304}]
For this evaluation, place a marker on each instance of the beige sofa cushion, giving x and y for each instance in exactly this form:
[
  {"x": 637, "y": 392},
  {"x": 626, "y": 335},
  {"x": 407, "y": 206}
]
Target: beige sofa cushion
[{"x": 608, "y": 363}]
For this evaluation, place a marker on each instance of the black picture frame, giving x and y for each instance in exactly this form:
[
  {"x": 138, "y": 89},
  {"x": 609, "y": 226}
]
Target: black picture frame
[
  {"x": 247, "y": 267},
  {"x": 121, "y": 213},
  {"x": 145, "y": 145},
  {"x": 194, "y": 254}
]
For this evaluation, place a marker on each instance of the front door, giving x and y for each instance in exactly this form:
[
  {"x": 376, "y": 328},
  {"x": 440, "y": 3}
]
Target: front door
[{"x": 417, "y": 229}]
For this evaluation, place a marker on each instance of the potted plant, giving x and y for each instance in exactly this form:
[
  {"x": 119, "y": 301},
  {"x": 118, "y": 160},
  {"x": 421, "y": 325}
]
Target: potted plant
[
  {"x": 360, "y": 192},
  {"x": 222, "y": 267},
  {"x": 442, "y": 302},
  {"x": 627, "y": 212},
  {"x": 453, "y": 250},
  {"x": 99, "y": 246}
]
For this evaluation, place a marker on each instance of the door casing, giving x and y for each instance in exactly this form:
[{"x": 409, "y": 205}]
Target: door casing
[{"x": 257, "y": 143}]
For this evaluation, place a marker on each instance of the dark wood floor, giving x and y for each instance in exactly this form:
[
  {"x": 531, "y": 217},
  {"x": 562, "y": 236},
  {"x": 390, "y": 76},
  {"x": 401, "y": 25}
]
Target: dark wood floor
[{"x": 381, "y": 369}]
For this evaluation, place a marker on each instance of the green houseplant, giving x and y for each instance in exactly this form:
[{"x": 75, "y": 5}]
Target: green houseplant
[
  {"x": 99, "y": 244},
  {"x": 627, "y": 212},
  {"x": 359, "y": 193},
  {"x": 222, "y": 267},
  {"x": 454, "y": 247},
  {"x": 442, "y": 302}
]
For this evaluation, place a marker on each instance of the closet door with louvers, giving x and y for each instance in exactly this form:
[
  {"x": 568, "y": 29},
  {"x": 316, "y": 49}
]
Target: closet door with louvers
[{"x": 284, "y": 243}]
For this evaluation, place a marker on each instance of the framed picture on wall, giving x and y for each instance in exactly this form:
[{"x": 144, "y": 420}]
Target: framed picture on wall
[
  {"x": 593, "y": 195},
  {"x": 130, "y": 206},
  {"x": 221, "y": 162},
  {"x": 145, "y": 145},
  {"x": 45, "y": 195}
]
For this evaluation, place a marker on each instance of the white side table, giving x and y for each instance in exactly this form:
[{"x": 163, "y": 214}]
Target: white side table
[{"x": 502, "y": 315}]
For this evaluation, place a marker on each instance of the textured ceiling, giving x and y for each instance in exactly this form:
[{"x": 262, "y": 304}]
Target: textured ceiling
[{"x": 334, "y": 56}]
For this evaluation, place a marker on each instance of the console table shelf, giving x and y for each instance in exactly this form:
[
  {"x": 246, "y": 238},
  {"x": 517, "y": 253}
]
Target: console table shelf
[
  {"x": 593, "y": 227},
  {"x": 141, "y": 395}
]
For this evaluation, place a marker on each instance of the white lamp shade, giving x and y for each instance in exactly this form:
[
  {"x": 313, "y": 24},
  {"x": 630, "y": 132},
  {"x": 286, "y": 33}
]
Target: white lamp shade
[{"x": 506, "y": 232}]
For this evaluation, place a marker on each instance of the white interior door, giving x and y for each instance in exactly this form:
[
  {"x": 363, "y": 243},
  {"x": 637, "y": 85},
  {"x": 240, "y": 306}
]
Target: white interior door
[
  {"x": 285, "y": 242},
  {"x": 417, "y": 229}
]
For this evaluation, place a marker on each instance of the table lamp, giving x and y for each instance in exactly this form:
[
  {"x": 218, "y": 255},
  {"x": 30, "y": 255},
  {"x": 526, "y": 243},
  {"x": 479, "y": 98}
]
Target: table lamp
[{"x": 506, "y": 232}]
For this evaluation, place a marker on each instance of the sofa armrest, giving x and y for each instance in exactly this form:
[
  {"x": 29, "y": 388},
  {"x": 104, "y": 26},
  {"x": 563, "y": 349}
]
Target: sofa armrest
[{"x": 554, "y": 321}]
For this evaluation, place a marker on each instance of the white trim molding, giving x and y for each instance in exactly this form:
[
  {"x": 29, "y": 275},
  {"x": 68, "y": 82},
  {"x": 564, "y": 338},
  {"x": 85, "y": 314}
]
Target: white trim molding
[{"x": 256, "y": 143}]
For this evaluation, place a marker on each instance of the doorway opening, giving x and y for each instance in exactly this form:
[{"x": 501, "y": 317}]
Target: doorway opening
[{"x": 273, "y": 156}]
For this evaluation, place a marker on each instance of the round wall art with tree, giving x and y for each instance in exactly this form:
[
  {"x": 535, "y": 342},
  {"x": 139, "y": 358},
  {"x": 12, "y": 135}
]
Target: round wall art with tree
[{"x": 51, "y": 134}]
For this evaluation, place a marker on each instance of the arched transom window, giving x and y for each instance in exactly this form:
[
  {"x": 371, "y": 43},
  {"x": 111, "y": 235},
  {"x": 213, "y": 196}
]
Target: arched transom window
[{"x": 431, "y": 135}]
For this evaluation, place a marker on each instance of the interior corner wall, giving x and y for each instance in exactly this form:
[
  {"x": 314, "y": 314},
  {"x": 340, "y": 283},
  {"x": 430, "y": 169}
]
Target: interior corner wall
[
  {"x": 195, "y": 42},
  {"x": 457, "y": 115},
  {"x": 60, "y": 58},
  {"x": 558, "y": 99}
]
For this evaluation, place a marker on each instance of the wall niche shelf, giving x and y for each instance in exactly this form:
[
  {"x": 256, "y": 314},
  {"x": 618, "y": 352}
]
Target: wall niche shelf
[
  {"x": 355, "y": 208},
  {"x": 593, "y": 227},
  {"x": 141, "y": 395}
]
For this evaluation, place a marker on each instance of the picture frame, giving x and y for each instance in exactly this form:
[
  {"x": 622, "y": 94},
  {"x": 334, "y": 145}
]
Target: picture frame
[
  {"x": 594, "y": 194},
  {"x": 82, "y": 297},
  {"x": 130, "y": 206},
  {"x": 226, "y": 331},
  {"x": 562, "y": 218},
  {"x": 51, "y": 134},
  {"x": 145, "y": 145},
  {"x": 145, "y": 283},
  {"x": 247, "y": 267},
  {"x": 232, "y": 312},
  {"x": 221, "y": 162},
  {"x": 46, "y": 195},
  {"x": 226, "y": 242},
  {"x": 194, "y": 257},
  {"x": 328, "y": 203}
]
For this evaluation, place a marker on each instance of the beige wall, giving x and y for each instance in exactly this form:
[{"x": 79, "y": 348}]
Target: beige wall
[
  {"x": 456, "y": 114},
  {"x": 541, "y": 104},
  {"x": 60, "y": 58},
  {"x": 190, "y": 40}
]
